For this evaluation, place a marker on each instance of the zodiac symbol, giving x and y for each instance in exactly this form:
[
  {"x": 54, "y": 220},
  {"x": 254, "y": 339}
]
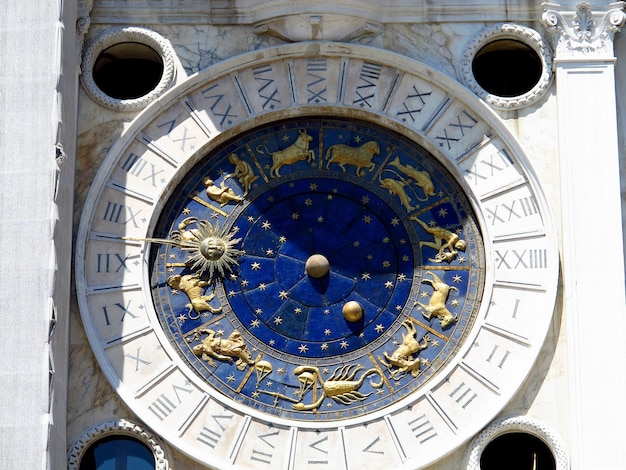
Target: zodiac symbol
[
  {"x": 397, "y": 187},
  {"x": 184, "y": 235},
  {"x": 437, "y": 304},
  {"x": 421, "y": 178},
  {"x": 224, "y": 349},
  {"x": 211, "y": 248},
  {"x": 192, "y": 285},
  {"x": 440, "y": 234},
  {"x": 222, "y": 193},
  {"x": 262, "y": 369},
  {"x": 402, "y": 357},
  {"x": 297, "y": 151},
  {"x": 243, "y": 172},
  {"x": 340, "y": 386},
  {"x": 360, "y": 157}
]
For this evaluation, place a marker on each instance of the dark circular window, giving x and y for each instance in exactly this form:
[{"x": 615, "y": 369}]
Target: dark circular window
[
  {"x": 507, "y": 68},
  {"x": 128, "y": 70},
  {"x": 118, "y": 453},
  {"x": 517, "y": 451}
]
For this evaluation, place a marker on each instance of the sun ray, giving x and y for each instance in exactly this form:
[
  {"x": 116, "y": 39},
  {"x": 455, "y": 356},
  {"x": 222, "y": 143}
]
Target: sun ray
[{"x": 210, "y": 248}]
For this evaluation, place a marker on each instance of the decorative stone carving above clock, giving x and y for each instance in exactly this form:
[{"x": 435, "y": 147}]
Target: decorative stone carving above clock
[{"x": 587, "y": 30}]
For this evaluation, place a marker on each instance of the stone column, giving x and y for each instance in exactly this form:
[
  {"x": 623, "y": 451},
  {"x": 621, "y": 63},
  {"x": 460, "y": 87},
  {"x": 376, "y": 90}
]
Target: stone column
[{"x": 591, "y": 226}]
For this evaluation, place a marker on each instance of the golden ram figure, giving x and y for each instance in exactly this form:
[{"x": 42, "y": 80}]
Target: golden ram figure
[{"x": 360, "y": 157}]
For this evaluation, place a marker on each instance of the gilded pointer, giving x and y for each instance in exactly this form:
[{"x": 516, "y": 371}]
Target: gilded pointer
[
  {"x": 437, "y": 304},
  {"x": 404, "y": 359},
  {"x": 192, "y": 285},
  {"x": 360, "y": 157},
  {"x": 441, "y": 235},
  {"x": 211, "y": 247},
  {"x": 421, "y": 178},
  {"x": 340, "y": 386},
  {"x": 224, "y": 349},
  {"x": 243, "y": 172},
  {"x": 296, "y": 152}
]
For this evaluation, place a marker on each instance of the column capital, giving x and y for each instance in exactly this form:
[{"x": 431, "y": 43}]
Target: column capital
[{"x": 586, "y": 33}]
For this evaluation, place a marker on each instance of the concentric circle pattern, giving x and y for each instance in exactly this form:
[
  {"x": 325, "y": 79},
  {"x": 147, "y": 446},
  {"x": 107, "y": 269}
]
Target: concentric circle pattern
[{"x": 394, "y": 238}]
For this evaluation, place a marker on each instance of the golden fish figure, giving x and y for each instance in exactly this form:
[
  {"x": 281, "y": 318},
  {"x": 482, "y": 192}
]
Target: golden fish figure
[
  {"x": 421, "y": 177},
  {"x": 340, "y": 386}
]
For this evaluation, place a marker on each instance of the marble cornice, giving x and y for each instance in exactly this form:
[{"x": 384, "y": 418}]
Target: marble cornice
[{"x": 249, "y": 12}]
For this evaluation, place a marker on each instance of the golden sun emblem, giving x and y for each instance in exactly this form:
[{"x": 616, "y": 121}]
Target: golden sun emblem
[{"x": 211, "y": 248}]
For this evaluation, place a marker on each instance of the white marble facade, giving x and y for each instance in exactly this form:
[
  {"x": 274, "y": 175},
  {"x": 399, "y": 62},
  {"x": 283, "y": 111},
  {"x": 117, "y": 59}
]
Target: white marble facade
[{"x": 569, "y": 137}]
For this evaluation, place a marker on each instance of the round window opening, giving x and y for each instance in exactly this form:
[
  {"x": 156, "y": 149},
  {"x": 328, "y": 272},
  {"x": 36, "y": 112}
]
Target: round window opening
[
  {"x": 128, "y": 70},
  {"x": 507, "y": 68},
  {"x": 517, "y": 451},
  {"x": 118, "y": 453}
]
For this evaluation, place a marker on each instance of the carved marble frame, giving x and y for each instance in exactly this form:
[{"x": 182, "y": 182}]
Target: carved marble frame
[
  {"x": 114, "y": 36},
  {"x": 516, "y": 32},
  {"x": 512, "y": 424},
  {"x": 120, "y": 427}
]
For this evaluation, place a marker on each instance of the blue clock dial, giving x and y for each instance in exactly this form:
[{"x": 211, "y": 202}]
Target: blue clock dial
[
  {"x": 317, "y": 269},
  {"x": 360, "y": 246}
]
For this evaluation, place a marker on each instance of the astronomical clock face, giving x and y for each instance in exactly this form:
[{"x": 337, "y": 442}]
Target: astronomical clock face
[{"x": 333, "y": 288}]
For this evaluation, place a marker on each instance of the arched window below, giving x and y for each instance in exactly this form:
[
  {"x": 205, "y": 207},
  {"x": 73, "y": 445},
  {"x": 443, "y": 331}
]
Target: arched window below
[{"x": 118, "y": 453}]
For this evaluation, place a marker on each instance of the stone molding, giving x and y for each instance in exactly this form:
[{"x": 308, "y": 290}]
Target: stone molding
[
  {"x": 587, "y": 31},
  {"x": 516, "y": 424},
  {"x": 248, "y": 12},
  {"x": 517, "y": 32},
  {"x": 119, "y": 427},
  {"x": 326, "y": 27},
  {"x": 118, "y": 35}
]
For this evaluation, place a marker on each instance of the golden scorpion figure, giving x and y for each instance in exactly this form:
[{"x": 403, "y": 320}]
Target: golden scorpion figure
[{"x": 340, "y": 386}]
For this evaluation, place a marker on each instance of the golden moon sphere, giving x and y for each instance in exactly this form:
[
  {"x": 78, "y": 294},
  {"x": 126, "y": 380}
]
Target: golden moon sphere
[
  {"x": 317, "y": 266},
  {"x": 352, "y": 311}
]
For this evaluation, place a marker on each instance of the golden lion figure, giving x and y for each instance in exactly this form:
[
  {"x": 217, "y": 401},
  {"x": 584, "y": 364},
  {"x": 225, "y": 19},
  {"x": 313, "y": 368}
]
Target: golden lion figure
[{"x": 192, "y": 285}]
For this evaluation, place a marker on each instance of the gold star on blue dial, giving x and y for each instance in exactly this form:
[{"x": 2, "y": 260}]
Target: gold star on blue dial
[{"x": 343, "y": 261}]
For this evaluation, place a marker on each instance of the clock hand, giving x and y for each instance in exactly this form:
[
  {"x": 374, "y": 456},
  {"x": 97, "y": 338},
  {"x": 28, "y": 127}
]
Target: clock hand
[{"x": 211, "y": 247}]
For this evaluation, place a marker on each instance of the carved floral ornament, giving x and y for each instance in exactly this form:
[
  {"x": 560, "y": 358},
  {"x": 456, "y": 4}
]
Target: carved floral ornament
[
  {"x": 515, "y": 32},
  {"x": 584, "y": 31}
]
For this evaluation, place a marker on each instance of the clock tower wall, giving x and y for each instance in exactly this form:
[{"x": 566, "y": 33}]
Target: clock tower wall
[{"x": 231, "y": 68}]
